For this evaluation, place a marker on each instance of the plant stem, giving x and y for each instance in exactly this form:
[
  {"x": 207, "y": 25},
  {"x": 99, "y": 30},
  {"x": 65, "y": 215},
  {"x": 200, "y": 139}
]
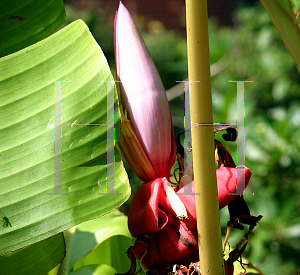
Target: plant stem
[{"x": 207, "y": 205}]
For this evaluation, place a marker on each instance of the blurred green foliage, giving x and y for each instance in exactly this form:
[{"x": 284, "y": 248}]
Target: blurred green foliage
[{"x": 250, "y": 50}]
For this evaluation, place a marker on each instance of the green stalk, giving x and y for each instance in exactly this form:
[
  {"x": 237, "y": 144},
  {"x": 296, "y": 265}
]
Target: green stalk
[{"x": 207, "y": 205}]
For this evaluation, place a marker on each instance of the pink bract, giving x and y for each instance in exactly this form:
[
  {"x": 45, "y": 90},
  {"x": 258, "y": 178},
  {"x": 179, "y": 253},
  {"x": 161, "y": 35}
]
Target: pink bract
[{"x": 142, "y": 94}]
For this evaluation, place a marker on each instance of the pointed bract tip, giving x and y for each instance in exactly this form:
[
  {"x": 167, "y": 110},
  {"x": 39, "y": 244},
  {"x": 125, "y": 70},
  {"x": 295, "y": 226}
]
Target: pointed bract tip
[{"x": 121, "y": 5}]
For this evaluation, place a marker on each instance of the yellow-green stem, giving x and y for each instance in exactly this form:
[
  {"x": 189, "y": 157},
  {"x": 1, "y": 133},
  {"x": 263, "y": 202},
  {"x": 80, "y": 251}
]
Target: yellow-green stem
[{"x": 207, "y": 205}]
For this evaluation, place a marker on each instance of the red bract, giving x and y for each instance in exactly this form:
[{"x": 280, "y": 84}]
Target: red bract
[{"x": 171, "y": 238}]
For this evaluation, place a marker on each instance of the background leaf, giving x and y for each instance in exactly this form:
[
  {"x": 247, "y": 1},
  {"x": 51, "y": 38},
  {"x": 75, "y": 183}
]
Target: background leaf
[
  {"x": 95, "y": 270},
  {"x": 24, "y": 23},
  {"x": 92, "y": 233},
  {"x": 49, "y": 253},
  {"x": 102, "y": 241}
]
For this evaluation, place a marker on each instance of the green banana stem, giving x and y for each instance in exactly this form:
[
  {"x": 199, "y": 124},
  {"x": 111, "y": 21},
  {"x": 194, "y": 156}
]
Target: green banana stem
[{"x": 207, "y": 206}]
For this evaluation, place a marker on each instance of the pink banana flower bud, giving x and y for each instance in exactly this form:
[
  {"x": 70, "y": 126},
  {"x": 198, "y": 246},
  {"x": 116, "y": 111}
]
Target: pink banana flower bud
[
  {"x": 144, "y": 101},
  {"x": 172, "y": 228}
]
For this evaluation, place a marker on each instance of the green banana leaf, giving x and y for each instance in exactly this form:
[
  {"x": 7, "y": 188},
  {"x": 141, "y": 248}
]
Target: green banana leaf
[
  {"x": 49, "y": 253},
  {"x": 24, "y": 23},
  {"x": 102, "y": 241},
  {"x": 38, "y": 197}
]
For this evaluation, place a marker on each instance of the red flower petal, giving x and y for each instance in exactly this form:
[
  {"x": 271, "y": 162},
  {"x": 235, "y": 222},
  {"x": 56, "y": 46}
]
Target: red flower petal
[
  {"x": 227, "y": 184},
  {"x": 174, "y": 241},
  {"x": 144, "y": 216}
]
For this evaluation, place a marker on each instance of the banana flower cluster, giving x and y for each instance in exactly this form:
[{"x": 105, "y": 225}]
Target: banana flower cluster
[
  {"x": 162, "y": 218},
  {"x": 171, "y": 229}
]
